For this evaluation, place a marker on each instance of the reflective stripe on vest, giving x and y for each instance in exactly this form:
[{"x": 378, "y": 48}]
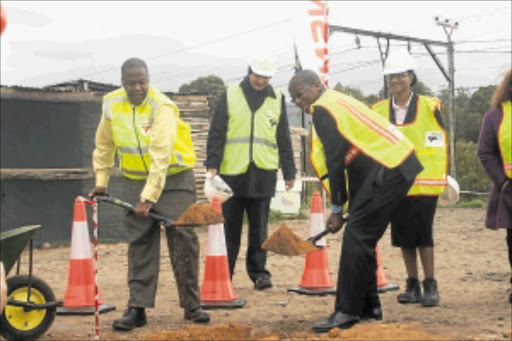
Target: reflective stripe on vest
[
  {"x": 367, "y": 131},
  {"x": 242, "y": 124},
  {"x": 131, "y": 127},
  {"x": 505, "y": 138},
  {"x": 430, "y": 141},
  {"x": 317, "y": 159}
]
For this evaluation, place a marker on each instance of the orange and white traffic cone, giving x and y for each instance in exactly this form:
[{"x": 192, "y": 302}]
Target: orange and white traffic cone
[
  {"x": 217, "y": 290},
  {"x": 79, "y": 298},
  {"x": 316, "y": 278},
  {"x": 382, "y": 282}
]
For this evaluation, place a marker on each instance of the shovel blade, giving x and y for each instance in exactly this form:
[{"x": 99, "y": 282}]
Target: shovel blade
[{"x": 284, "y": 242}]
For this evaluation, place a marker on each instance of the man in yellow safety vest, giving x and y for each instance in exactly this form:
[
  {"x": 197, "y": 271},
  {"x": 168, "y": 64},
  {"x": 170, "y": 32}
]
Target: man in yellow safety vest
[
  {"x": 156, "y": 158},
  {"x": 248, "y": 141},
  {"x": 349, "y": 138}
]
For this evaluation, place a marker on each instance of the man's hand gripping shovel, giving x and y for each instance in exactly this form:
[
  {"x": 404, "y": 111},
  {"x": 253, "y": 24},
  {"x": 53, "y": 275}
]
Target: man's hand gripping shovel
[
  {"x": 195, "y": 215},
  {"x": 284, "y": 242}
]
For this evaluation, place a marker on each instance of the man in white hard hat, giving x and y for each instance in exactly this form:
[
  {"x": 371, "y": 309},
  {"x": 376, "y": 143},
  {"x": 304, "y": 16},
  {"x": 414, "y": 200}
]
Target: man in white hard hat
[
  {"x": 248, "y": 141},
  {"x": 419, "y": 118}
]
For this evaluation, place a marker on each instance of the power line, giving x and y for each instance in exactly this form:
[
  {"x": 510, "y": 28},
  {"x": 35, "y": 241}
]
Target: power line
[
  {"x": 483, "y": 14},
  {"x": 482, "y": 41},
  {"x": 201, "y": 44}
]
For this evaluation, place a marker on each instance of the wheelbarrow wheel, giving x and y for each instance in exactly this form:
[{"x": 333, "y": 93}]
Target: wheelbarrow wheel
[{"x": 18, "y": 323}]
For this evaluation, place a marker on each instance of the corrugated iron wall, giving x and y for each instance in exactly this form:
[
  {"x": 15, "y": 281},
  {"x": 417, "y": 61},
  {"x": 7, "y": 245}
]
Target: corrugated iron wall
[{"x": 47, "y": 139}]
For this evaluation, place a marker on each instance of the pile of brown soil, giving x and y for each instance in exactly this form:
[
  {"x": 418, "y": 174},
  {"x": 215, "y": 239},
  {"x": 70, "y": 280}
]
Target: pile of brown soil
[
  {"x": 283, "y": 241},
  {"x": 198, "y": 215},
  {"x": 230, "y": 331},
  {"x": 234, "y": 331}
]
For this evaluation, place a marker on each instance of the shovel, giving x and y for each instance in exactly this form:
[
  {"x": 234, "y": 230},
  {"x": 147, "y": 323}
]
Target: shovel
[
  {"x": 208, "y": 215},
  {"x": 287, "y": 243}
]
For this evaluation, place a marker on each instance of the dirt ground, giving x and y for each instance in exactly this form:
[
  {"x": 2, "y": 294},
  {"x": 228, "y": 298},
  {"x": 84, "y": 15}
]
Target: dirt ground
[{"x": 471, "y": 268}]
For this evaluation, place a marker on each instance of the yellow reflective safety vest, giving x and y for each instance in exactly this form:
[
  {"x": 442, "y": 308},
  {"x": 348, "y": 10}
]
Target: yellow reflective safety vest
[
  {"x": 250, "y": 137},
  {"x": 505, "y": 139},
  {"x": 131, "y": 131},
  {"x": 367, "y": 131},
  {"x": 430, "y": 141}
]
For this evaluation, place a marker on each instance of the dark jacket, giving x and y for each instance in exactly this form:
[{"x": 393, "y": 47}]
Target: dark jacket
[
  {"x": 499, "y": 208},
  {"x": 255, "y": 182},
  {"x": 361, "y": 169}
]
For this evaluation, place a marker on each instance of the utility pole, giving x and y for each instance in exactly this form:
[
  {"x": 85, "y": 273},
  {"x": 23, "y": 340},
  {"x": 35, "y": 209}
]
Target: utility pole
[
  {"x": 448, "y": 29},
  {"x": 427, "y": 43}
]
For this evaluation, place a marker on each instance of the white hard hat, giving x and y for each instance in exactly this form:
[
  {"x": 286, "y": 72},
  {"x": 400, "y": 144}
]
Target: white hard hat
[
  {"x": 399, "y": 61},
  {"x": 263, "y": 66},
  {"x": 450, "y": 195}
]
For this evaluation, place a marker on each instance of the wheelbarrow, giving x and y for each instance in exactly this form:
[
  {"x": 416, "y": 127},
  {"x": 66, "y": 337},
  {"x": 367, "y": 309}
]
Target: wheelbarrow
[{"x": 31, "y": 304}]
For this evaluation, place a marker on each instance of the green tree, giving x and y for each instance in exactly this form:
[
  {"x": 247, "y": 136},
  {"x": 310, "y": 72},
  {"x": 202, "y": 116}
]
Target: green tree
[
  {"x": 212, "y": 85},
  {"x": 480, "y": 101},
  {"x": 354, "y": 92},
  {"x": 469, "y": 111},
  {"x": 421, "y": 89},
  {"x": 470, "y": 174}
]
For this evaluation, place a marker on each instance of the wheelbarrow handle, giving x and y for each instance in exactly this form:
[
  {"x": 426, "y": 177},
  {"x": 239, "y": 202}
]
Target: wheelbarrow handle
[
  {"x": 118, "y": 202},
  {"x": 318, "y": 236}
]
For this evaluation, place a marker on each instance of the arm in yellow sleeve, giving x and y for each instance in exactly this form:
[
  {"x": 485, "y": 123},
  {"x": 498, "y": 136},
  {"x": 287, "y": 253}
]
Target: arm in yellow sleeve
[
  {"x": 103, "y": 155},
  {"x": 162, "y": 135}
]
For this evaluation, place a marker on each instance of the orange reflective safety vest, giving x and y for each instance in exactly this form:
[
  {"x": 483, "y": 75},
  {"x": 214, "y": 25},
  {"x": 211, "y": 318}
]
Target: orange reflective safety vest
[
  {"x": 430, "y": 140},
  {"x": 504, "y": 138},
  {"x": 367, "y": 131}
]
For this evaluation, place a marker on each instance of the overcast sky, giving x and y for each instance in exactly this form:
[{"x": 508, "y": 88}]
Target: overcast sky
[{"x": 48, "y": 42}]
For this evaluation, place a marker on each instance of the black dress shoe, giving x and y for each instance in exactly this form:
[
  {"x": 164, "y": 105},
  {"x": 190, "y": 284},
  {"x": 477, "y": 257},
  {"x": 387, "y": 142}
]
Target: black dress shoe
[
  {"x": 375, "y": 313},
  {"x": 262, "y": 283},
  {"x": 197, "y": 315},
  {"x": 336, "y": 320},
  {"x": 133, "y": 317}
]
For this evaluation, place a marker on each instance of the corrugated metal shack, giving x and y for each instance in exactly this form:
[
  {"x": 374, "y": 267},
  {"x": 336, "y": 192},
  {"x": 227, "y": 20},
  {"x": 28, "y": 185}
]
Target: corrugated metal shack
[{"x": 47, "y": 139}]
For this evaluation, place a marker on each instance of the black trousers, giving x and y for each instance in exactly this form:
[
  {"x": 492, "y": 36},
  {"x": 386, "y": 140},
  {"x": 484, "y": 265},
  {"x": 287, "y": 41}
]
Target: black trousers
[
  {"x": 365, "y": 226},
  {"x": 257, "y": 212}
]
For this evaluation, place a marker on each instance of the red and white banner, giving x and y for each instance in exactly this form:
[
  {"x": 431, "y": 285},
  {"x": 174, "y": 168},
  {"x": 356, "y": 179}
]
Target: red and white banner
[{"x": 313, "y": 37}]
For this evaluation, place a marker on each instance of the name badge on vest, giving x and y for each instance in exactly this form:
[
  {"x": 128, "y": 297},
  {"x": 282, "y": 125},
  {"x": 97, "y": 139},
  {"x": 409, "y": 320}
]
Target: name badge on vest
[
  {"x": 434, "y": 139},
  {"x": 145, "y": 127},
  {"x": 271, "y": 120}
]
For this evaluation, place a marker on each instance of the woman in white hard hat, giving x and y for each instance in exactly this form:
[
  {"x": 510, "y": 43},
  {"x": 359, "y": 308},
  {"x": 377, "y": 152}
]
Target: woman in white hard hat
[
  {"x": 495, "y": 155},
  {"x": 418, "y": 117}
]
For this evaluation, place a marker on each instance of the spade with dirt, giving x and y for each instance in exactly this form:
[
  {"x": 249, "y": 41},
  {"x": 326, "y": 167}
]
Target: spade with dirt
[
  {"x": 284, "y": 242},
  {"x": 195, "y": 215}
]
